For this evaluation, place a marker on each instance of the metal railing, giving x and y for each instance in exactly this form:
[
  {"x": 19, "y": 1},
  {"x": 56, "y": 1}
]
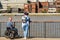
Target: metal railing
[{"x": 39, "y": 29}]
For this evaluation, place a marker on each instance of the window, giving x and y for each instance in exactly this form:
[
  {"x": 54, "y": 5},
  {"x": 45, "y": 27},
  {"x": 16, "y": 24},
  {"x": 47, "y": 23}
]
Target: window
[
  {"x": 58, "y": 3},
  {"x": 52, "y": 5}
]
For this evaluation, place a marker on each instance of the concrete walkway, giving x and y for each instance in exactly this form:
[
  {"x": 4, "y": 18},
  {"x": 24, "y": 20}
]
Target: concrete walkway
[{"x": 3, "y": 38}]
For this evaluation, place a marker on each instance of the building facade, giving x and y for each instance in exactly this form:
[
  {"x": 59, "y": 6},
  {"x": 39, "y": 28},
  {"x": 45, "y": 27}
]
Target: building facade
[{"x": 52, "y": 5}]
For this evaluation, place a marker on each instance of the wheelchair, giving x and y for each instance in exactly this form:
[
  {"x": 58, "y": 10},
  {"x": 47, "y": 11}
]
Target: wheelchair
[{"x": 11, "y": 33}]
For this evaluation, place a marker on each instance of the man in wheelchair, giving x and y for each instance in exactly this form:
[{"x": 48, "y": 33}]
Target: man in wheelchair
[{"x": 11, "y": 31}]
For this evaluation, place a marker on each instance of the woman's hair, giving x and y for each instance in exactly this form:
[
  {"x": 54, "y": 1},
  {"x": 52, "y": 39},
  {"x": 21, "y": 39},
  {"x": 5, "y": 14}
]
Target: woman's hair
[{"x": 26, "y": 13}]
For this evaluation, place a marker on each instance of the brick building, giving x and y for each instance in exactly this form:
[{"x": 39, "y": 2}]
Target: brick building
[
  {"x": 58, "y": 6},
  {"x": 41, "y": 5}
]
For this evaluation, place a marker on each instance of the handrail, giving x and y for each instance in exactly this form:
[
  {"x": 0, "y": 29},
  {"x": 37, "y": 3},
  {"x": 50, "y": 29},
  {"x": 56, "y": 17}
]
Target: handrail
[
  {"x": 31, "y": 14},
  {"x": 37, "y": 21}
]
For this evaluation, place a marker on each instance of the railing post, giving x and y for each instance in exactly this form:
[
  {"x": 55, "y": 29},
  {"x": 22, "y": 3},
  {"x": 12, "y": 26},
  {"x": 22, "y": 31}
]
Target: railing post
[
  {"x": 29, "y": 31},
  {"x": 14, "y": 24},
  {"x": 44, "y": 29},
  {"x": 0, "y": 29}
]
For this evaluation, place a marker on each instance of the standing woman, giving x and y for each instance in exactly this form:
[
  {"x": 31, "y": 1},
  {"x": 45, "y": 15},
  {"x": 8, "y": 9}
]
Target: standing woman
[{"x": 25, "y": 24}]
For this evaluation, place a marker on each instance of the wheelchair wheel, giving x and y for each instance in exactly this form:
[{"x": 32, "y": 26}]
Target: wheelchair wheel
[
  {"x": 11, "y": 35},
  {"x": 6, "y": 33}
]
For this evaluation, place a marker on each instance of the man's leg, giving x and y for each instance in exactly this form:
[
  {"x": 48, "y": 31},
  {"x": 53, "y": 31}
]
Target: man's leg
[{"x": 8, "y": 31}]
